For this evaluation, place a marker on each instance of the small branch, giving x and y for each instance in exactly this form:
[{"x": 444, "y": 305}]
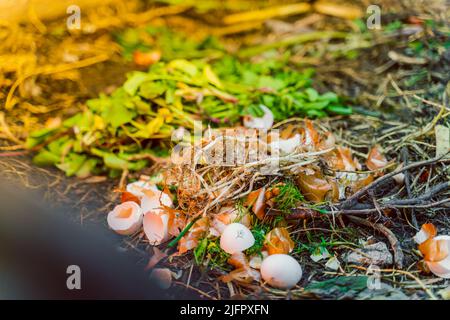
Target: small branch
[
  {"x": 405, "y": 157},
  {"x": 420, "y": 199},
  {"x": 366, "y": 209},
  {"x": 352, "y": 199}
]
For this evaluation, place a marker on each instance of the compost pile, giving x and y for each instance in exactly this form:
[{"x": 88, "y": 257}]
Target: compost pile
[{"x": 289, "y": 152}]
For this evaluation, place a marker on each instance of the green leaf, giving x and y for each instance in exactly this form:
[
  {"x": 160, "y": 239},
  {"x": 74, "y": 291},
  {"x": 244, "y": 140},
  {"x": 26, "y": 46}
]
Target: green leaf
[
  {"x": 255, "y": 111},
  {"x": 117, "y": 113},
  {"x": 72, "y": 163},
  {"x": 38, "y": 137},
  {"x": 152, "y": 89},
  {"x": 268, "y": 100},
  {"x": 72, "y": 121},
  {"x": 329, "y": 96},
  {"x": 134, "y": 81},
  {"x": 340, "y": 109},
  {"x": 45, "y": 158},
  {"x": 312, "y": 94},
  {"x": 212, "y": 77},
  {"x": 142, "y": 107},
  {"x": 114, "y": 162},
  {"x": 137, "y": 165},
  {"x": 87, "y": 168},
  {"x": 316, "y": 105},
  {"x": 200, "y": 250},
  {"x": 184, "y": 66},
  {"x": 315, "y": 113},
  {"x": 270, "y": 82},
  {"x": 60, "y": 145}
]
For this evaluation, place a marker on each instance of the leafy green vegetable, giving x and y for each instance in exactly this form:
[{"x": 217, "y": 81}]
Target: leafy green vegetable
[
  {"x": 118, "y": 131},
  {"x": 272, "y": 83}
]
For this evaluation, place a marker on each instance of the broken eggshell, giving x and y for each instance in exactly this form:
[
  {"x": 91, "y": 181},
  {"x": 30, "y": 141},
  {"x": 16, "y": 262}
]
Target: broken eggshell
[
  {"x": 156, "y": 226},
  {"x": 435, "y": 249},
  {"x": 281, "y": 271},
  {"x": 125, "y": 218},
  {"x": 441, "y": 268},
  {"x": 263, "y": 123},
  {"x": 286, "y": 146},
  {"x": 155, "y": 199},
  {"x": 226, "y": 216},
  {"x": 137, "y": 188},
  {"x": 236, "y": 238},
  {"x": 256, "y": 260},
  {"x": 156, "y": 219},
  {"x": 427, "y": 231}
]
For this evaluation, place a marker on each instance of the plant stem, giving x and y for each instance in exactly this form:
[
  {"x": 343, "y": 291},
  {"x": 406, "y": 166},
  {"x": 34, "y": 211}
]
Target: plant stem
[{"x": 182, "y": 233}]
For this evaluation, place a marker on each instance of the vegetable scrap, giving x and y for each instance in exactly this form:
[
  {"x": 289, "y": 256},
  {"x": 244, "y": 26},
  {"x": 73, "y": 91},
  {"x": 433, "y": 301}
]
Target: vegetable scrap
[{"x": 133, "y": 126}]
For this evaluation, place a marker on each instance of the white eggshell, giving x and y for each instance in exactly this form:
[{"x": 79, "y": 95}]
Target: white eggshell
[
  {"x": 286, "y": 146},
  {"x": 421, "y": 236},
  {"x": 441, "y": 268},
  {"x": 236, "y": 238},
  {"x": 156, "y": 227},
  {"x": 125, "y": 218},
  {"x": 155, "y": 199},
  {"x": 281, "y": 271},
  {"x": 263, "y": 123},
  {"x": 137, "y": 188},
  {"x": 256, "y": 260}
]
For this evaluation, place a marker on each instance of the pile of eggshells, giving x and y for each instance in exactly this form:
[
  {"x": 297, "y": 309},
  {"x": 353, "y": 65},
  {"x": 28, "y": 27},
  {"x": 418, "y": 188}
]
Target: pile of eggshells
[
  {"x": 129, "y": 217},
  {"x": 278, "y": 270}
]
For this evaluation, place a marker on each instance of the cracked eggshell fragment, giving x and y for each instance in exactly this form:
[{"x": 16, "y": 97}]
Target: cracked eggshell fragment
[
  {"x": 156, "y": 219},
  {"x": 281, "y": 271},
  {"x": 286, "y": 146},
  {"x": 137, "y": 188},
  {"x": 435, "y": 249},
  {"x": 263, "y": 123},
  {"x": 427, "y": 231},
  {"x": 256, "y": 260},
  {"x": 236, "y": 238},
  {"x": 125, "y": 218},
  {"x": 156, "y": 227},
  {"x": 226, "y": 216},
  {"x": 400, "y": 177},
  {"x": 155, "y": 199},
  {"x": 441, "y": 268}
]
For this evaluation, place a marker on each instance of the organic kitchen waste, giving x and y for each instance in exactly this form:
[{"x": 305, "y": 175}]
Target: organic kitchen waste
[{"x": 263, "y": 151}]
